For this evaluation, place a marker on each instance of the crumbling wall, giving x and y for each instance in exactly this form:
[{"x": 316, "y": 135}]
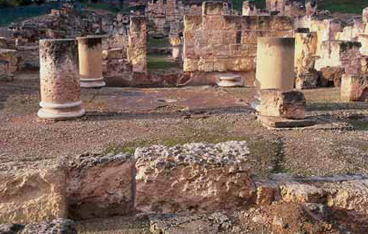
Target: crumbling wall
[
  {"x": 221, "y": 43},
  {"x": 137, "y": 54}
]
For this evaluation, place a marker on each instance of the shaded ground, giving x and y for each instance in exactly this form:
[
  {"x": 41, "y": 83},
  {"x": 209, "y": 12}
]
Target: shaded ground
[{"x": 120, "y": 119}]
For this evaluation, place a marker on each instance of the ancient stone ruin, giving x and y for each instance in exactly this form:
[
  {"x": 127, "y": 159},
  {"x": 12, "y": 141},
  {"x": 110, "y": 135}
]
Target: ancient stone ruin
[{"x": 185, "y": 117}]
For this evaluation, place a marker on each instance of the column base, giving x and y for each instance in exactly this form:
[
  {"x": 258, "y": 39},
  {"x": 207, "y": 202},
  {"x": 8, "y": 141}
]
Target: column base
[
  {"x": 230, "y": 80},
  {"x": 60, "y": 111},
  {"x": 92, "y": 82}
]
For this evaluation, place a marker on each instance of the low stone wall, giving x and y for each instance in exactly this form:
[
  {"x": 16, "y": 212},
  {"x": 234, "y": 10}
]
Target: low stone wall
[{"x": 195, "y": 177}]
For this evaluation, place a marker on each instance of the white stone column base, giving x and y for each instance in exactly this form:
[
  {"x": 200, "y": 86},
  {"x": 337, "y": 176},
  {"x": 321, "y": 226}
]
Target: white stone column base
[
  {"x": 230, "y": 80},
  {"x": 92, "y": 82},
  {"x": 60, "y": 111}
]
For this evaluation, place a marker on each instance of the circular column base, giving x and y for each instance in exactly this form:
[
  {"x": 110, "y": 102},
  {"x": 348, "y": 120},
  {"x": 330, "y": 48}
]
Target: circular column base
[
  {"x": 230, "y": 80},
  {"x": 60, "y": 111},
  {"x": 92, "y": 82}
]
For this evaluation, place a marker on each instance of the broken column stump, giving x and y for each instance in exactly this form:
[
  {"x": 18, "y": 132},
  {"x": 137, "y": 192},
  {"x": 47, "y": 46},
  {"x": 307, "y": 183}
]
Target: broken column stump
[
  {"x": 193, "y": 177},
  {"x": 275, "y": 63},
  {"x": 283, "y": 109},
  {"x": 90, "y": 62},
  {"x": 60, "y": 87}
]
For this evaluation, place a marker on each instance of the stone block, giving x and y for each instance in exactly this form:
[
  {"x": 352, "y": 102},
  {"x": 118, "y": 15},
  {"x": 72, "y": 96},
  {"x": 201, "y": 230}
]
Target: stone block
[
  {"x": 116, "y": 53},
  {"x": 32, "y": 193},
  {"x": 213, "y": 8},
  {"x": 193, "y": 177},
  {"x": 5, "y": 74},
  {"x": 284, "y": 104},
  {"x": 100, "y": 186},
  {"x": 331, "y": 76},
  {"x": 192, "y": 22},
  {"x": 10, "y": 56},
  {"x": 354, "y": 88},
  {"x": 307, "y": 80}
]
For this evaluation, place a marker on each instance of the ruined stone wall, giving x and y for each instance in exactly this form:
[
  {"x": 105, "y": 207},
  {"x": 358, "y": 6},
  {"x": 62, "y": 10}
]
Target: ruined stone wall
[
  {"x": 137, "y": 48},
  {"x": 221, "y": 43}
]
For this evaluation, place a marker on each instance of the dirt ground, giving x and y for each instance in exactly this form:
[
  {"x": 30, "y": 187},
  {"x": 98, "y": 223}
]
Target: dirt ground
[{"x": 121, "y": 119}]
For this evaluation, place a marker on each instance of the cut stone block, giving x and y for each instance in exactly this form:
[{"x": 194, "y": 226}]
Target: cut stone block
[
  {"x": 101, "y": 186},
  {"x": 284, "y": 104},
  {"x": 354, "y": 88},
  {"x": 33, "y": 193},
  {"x": 193, "y": 177},
  {"x": 11, "y": 57}
]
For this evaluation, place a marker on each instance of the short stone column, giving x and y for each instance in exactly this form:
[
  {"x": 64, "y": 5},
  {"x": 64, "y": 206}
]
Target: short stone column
[
  {"x": 275, "y": 63},
  {"x": 60, "y": 87},
  {"x": 90, "y": 62}
]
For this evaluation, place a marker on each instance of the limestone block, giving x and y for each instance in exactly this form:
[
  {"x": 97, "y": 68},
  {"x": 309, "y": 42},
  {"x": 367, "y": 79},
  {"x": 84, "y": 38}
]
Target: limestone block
[
  {"x": 307, "y": 80},
  {"x": 292, "y": 191},
  {"x": 354, "y": 88},
  {"x": 32, "y": 193},
  {"x": 197, "y": 177},
  {"x": 192, "y": 22},
  {"x": 349, "y": 195},
  {"x": 190, "y": 65},
  {"x": 267, "y": 192},
  {"x": 115, "y": 53},
  {"x": 11, "y": 57},
  {"x": 100, "y": 186},
  {"x": 213, "y": 22},
  {"x": 284, "y": 104},
  {"x": 213, "y": 8},
  {"x": 331, "y": 76}
]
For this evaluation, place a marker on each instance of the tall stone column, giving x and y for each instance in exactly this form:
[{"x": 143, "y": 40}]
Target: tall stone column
[
  {"x": 275, "y": 63},
  {"x": 60, "y": 87},
  {"x": 90, "y": 62}
]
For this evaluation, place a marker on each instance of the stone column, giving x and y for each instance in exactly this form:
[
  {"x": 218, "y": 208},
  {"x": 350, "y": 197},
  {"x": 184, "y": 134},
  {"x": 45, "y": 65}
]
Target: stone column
[
  {"x": 60, "y": 87},
  {"x": 90, "y": 62},
  {"x": 275, "y": 63}
]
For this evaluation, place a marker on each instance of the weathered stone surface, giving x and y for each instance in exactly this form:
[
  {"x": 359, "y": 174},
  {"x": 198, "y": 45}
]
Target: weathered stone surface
[
  {"x": 59, "y": 226},
  {"x": 284, "y": 104},
  {"x": 32, "y": 194},
  {"x": 331, "y": 76},
  {"x": 137, "y": 44},
  {"x": 10, "y": 56},
  {"x": 100, "y": 186},
  {"x": 308, "y": 80},
  {"x": 11, "y": 228},
  {"x": 354, "y": 88},
  {"x": 267, "y": 192},
  {"x": 197, "y": 177},
  {"x": 204, "y": 224}
]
